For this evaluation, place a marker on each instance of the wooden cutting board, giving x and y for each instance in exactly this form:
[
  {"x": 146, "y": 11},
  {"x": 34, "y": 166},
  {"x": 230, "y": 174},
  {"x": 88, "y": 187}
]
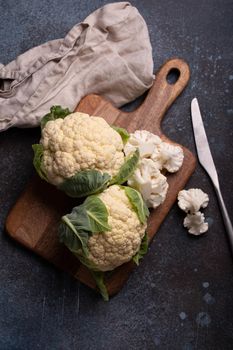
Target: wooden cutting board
[{"x": 34, "y": 219}]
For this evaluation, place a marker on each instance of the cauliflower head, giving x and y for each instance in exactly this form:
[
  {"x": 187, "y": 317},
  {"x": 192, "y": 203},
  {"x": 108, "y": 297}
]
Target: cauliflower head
[
  {"x": 80, "y": 142},
  {"x": 108, "y": 250},
  {"x": 149, "y": 181},
  {"x": 106, "y": 230}
]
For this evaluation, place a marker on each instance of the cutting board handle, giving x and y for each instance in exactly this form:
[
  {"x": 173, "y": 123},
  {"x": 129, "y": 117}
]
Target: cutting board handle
[
  {"x": 160, "y": 97},
  {"x": 163, "y": 92}
]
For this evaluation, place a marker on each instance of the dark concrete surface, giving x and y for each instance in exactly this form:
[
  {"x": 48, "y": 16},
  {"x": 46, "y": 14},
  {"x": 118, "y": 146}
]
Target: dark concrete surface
[{"x": 181, "y": 295}]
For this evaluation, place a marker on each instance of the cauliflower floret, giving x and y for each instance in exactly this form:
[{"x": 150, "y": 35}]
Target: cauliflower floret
[
  {"x": 165, "y": 155},
  {"x": 168, "y": 156},
  {"x": 192, "y": 200},
  {"x": 148, "y": 180},
  {"x": 196, "y": 223},
  {"x": 80, "y": 142},
  {"x": 145, "y": 141},
  {"x": 107, "y": 250}
]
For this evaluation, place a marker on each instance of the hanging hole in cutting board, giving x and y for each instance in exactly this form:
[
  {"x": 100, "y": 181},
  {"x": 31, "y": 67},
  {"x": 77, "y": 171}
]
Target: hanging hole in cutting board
[{"x": 173, "y": 76}]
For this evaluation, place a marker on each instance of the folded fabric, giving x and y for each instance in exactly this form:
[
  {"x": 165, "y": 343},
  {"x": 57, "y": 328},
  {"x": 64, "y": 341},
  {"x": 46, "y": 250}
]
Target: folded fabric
[{"x": 109, "y": 53}]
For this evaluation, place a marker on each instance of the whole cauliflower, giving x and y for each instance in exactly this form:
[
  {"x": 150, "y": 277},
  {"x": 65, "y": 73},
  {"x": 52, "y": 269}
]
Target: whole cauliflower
[
  {"x": 81, "y": 154},
  {"x": 108, "y": 250},
  {"x": 80, "y": 142},
  {"x": 109, "y": 227},
  {"x": 106, "y": 231}
]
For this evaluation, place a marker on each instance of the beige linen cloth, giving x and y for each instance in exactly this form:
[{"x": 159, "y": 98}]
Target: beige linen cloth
[{"x": 109, "y": 53}]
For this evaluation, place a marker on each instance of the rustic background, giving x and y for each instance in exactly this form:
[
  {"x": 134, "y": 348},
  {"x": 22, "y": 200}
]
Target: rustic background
[{"x": 181, "y": 295}]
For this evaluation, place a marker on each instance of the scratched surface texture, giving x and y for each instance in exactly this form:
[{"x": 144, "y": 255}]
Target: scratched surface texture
[{"x": 181, "y": 295}]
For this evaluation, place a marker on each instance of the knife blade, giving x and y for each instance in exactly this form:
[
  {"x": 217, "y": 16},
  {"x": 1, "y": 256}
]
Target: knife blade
[{"x": 206, "y": 160}]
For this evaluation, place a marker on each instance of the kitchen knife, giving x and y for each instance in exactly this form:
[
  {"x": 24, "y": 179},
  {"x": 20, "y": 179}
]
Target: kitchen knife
[{"x": 206, "y": 160}]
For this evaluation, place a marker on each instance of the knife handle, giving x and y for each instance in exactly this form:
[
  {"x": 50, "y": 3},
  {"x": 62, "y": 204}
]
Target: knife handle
[{"x": 226, "y": 218}]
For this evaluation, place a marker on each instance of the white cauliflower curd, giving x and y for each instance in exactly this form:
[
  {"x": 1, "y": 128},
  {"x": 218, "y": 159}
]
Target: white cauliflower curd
[
  {"x": 110, "y": 249},
  {"x": 155, "y": 156},
  {"x": 191, "y": 201},
  {"x": 195, "y": 223},
  {"x": 80, "y": 142},
  {"x": 149, "y": 181},
  {"x": 168, "y": 156},
  {"x": 145, "y": 141},
  {"x": 165, "y": 155}
]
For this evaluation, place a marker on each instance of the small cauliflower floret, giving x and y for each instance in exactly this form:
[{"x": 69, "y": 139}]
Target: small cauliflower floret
[
  {"x": 155, "y": 155},
  {"x": 196, "y": 223},
  {"x": 192, "y": 200},
  {"x": 108, "y": 250},
  {"x": 168, "y": 156},
  {"x": 148, "y": 180},
  {"x": 165, "y": 155},
  {"x": 145, "y": 141},
  {"x": 80, "y": 142}
]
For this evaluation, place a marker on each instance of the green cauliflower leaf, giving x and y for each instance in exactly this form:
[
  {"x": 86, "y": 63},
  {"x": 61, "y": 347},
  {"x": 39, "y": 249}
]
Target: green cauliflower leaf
[
  {"x": 142, "y": 250},
  {"x": 137, "y": 203},
  {"x": 123, "y": 133},
  {"x": 55, "y": 113},
  {"x": 127, "y": 169},
  {"x": 38, "y": 160},
  {"x": 85, "y": 183}
]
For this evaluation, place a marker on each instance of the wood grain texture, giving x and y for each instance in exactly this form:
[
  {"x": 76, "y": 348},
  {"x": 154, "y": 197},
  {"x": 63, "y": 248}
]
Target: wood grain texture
[{"x": 34, "y": 219}]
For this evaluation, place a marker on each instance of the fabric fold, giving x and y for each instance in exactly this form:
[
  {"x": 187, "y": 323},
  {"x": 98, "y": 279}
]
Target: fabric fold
[{"x": 109, "y": 53}]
